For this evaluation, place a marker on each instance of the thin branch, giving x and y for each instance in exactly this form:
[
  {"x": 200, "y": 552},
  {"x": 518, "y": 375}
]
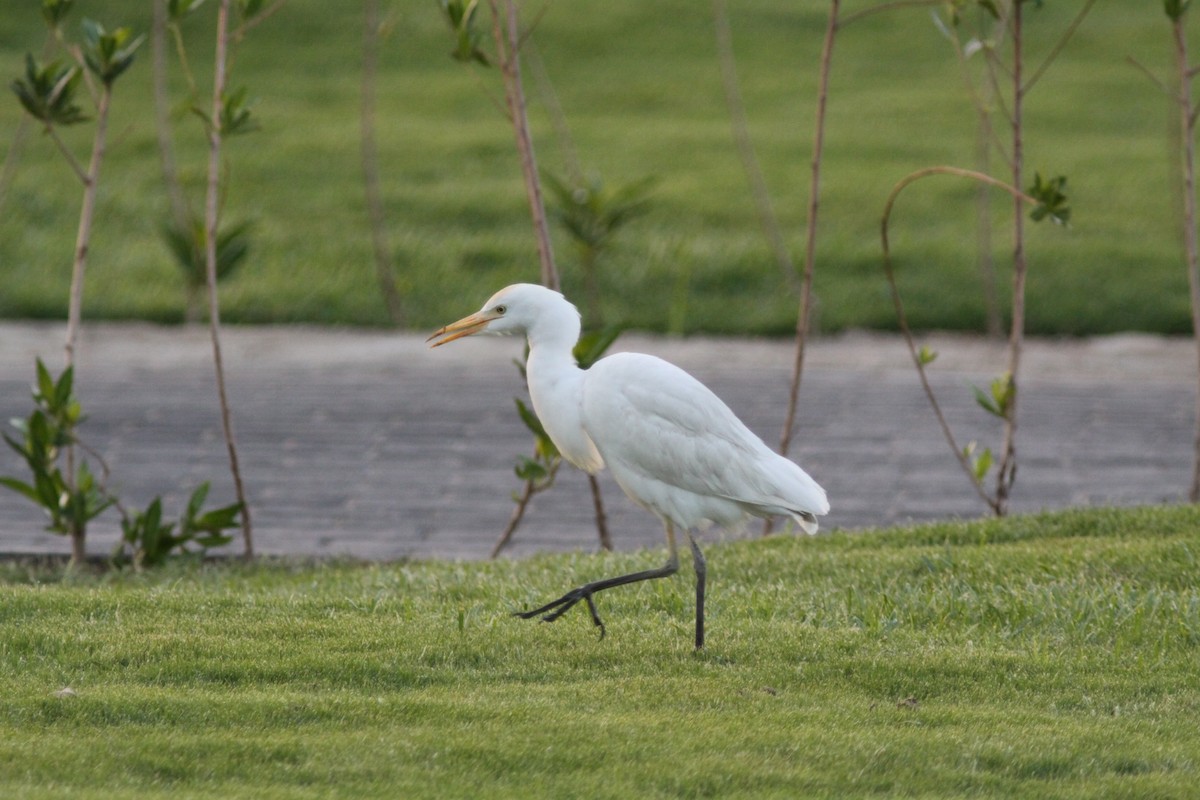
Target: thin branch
[
  {"x": 370, "y": 165},
  {"x": 882, "y": 7},
  {"x": 180, "y": 211},
  {"x": 995, "y": 503},
  {"x": 506, "y": 32},
  {"x": 87, "y": 214},
  {"x": 257, "y": 19},
  {"x": 557, "y": 118},
  {"x": 533, "y": 26},
  {"x": 1059, "y": 45},
  {"x": 598, "y": 510},
  {"x": 1153, "y": 78},
  {"x": 211, "y": 223},
  {"x": 741, "y": 138},
  {"x": 1187, "y": 130},
  {"x": 1006, "y": 471},
  {"x": 184, "y": 64},
  {"x": 810, "y": 247},
  {"x": 804, "y": 314},
  {"x": 72, "y": 162},
  {"x": 530, "y": 489}
]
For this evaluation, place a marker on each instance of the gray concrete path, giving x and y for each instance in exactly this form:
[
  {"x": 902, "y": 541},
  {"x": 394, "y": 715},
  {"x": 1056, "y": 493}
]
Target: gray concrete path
[{"x": 369, "y": 444}]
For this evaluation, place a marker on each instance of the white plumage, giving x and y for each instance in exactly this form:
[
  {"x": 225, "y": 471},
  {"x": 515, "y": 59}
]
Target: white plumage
[{"x": 671, "y": 444}]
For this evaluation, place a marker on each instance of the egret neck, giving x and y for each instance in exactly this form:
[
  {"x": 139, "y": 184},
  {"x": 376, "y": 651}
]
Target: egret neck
[{"x": 556, "y": 382}]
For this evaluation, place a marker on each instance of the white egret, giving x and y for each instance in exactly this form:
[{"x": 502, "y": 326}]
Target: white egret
[{"x": 672, "y": 445}]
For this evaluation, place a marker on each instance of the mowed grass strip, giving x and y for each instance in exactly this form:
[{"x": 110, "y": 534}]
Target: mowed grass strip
[
  {"x": 640, "y": 86},
  {"x": 1049, "y": 656}
]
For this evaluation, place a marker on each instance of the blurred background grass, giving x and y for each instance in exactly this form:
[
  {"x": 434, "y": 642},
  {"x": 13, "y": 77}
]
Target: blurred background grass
[{"x": 640, "y": 87}]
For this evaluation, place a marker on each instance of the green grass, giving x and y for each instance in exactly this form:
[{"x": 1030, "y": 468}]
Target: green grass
[
  {"x": 639, "y": 83},
  {"x": 1050, "y": 656}
]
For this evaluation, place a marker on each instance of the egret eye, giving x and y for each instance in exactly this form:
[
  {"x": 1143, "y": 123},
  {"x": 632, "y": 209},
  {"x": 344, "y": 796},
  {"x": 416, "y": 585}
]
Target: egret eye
[{"x": 501, "y": 309}]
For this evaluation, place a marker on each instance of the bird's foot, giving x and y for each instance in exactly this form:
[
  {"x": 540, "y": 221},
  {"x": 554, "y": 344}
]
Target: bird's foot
[{"x": 562, "y": 605}]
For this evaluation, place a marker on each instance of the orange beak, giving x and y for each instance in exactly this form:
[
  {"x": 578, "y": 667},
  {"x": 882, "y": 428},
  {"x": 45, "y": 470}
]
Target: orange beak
[{"x": 466, "y": 326}]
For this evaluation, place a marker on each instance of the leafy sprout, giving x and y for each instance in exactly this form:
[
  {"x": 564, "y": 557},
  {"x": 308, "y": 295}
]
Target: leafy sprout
[
  {"x": 108, "y": 53},
  {"x": 468, "y": 38},
  {"x": 47, "y": 92},
  {"x": 1052, "y": 202}
]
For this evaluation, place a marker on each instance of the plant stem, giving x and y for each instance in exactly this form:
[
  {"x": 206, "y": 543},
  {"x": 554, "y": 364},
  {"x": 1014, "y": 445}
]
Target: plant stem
[
  {"x": 810, "y": 244},
  {"x": 87, "y": 213},
  {"x": 507, "y": 36},
  {"x": 741, "y": 139},
  {"x": 162, "y": 118},
  {"x": 1007, "y": 469},
  {"x": 210, "y": 244},
  {"x": 370, "y": 164},
  {"x": 1019, "y": 197},
  {"x": 598, "y": 509},
  {"x": 530, "y": 489},
  {"x": 1187, "y": 124}
]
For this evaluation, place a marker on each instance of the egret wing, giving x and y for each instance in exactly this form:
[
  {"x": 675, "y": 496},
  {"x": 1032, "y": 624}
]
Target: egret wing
[{"x": 664, "y": 429}]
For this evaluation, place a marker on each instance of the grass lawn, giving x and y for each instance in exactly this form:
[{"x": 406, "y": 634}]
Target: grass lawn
[
  {"x": 640, "y": 87},
  {"x": 1047, "y": 656}
]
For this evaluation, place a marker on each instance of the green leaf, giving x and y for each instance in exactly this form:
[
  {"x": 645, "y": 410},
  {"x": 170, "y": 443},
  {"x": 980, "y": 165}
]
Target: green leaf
[
  {"x": 22, "y": 488},
  {"x": 249, "y": 8},
  {"x": 1176, "y": 8},
  {"x": 467, "y": 38},
  {"x": 62, "y": 389},
  {"x": 15, "y": 445},
  {"x": 187, "y": 244},
  {"x": 196, "y": 501},
  {"x": 979, "y": 464},
  {"x": 47, "y": 92},
  {"x": 178, "y": 9},
  {"x": 45, "y": 383},
  {"x": 529, "y": 470},
  {"x": 592, "y": 345},
  {"x": 1051, "y": 201},
  {"x": 235, "y": 114},
  {"x": 108, "y": 53},
  {"x": 997, "y": 401},
  {"x": 990, "y": 7},
  {"x": 529, "y": 418},
  {"x": 986, "y": 403},
  {"x": 55, "y": 11},
  {"x": 1003, "y": 390},
  {"x": 926, "y": 356},
  {"x": 218, "y": 519}
]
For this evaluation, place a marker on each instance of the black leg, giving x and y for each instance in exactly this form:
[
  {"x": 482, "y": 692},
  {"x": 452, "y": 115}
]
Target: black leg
[
  {"x": 557, "y": 608},
  {"x": 701, "y": 574}
]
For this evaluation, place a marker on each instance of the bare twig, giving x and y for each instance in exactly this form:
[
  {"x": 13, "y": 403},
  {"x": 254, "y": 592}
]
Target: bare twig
[
  {"x": 1155, "y": 79},
  {"x": 558, "y": 119},
  {"x": 506, "y": 33},
  {"x": 598, "y": 510},
  {"x": 211, "y": 222},
  {"x": 1059, "y": 45},
  {"x": 1187, "y": 130},
  {"x": 258, "y": 19},
  {"x": 72, "y": 162},
  {"x": 1007, "y": 468},
  {"x": 882, "y": 7},
  {"x": 741, "y": 138},
  {"x": 180, "y": 211},
  {"x": 87, "y": 213},
  {"x": 996, "y": 503},
  {"x": 370, "y": 165},
  {"x": 810, "y": 245},
  {"x": 528, "y": 491}
]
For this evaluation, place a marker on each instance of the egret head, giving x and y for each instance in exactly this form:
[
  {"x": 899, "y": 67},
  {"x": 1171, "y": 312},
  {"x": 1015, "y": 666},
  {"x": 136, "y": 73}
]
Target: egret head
[{"x": 515, "y": 309}]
